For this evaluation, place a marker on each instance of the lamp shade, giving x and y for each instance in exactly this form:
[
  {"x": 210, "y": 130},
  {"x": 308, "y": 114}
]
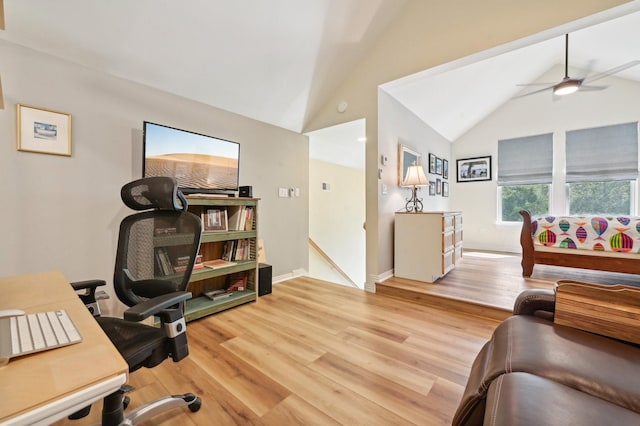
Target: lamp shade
[{"x": 415, "y": 176}]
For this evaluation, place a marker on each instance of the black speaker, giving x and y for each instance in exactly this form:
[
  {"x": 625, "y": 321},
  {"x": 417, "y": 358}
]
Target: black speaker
[
  {"x": 246, "y": 191},
  {"x": 264, "y": 279}
]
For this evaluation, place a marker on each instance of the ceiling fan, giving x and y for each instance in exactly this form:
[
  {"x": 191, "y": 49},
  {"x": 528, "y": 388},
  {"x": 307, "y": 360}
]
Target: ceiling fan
[{"x": 570, "y": 85}]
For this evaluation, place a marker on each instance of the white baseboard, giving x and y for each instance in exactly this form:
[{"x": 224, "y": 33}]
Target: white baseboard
[
  {"x": 370, "y": 285},
  {"x": 293, "y": 274}
]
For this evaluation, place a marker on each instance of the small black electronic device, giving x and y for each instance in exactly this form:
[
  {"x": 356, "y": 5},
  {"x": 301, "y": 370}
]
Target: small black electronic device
[
  {"x": 245, "y": 191},
  {"x": 265, "y": 277}
]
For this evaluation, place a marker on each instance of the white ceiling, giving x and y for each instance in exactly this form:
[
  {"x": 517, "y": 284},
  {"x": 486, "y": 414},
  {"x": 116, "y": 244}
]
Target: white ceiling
[
  {"x": 273, "y": 61},
  {"x": 277, "y": 60}
]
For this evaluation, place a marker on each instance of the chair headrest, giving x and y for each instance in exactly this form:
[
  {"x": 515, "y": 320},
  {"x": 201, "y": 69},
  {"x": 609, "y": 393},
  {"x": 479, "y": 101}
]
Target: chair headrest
[{"x": 159, "y": 193}]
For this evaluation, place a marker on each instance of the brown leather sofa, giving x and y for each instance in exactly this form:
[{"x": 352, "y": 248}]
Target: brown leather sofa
[{"x": 535, "y": 371}]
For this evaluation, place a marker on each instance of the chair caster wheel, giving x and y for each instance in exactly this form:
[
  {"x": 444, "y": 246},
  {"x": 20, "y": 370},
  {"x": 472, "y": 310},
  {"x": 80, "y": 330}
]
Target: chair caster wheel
[
  {"x": 194, "y": 402},
  {"x": 195, "y": 405}
]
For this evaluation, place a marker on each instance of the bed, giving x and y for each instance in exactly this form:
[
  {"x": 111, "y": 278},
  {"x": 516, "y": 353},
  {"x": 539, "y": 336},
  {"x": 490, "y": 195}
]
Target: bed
[{"x": 598, "y": 242}]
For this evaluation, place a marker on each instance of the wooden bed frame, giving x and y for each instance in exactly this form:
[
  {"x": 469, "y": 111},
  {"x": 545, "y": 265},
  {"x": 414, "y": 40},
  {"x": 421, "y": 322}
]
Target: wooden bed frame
[{"x": 531, "y": 256}]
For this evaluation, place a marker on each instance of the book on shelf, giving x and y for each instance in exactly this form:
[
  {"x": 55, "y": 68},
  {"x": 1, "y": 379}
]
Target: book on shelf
[
  {"x": 163, "y": 261},
  {"x": 217, "y": 294},
  {"x": 165, "y": 230},
  {"x": 237, "y": 281},
  {"x": 218, "y": 263}
]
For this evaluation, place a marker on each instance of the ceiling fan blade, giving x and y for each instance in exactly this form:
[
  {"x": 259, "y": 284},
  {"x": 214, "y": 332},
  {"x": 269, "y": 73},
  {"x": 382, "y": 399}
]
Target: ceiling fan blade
[
  {"x": 611, "y": 71},
  {"x": 1, "y": 14},
  {"x": 592, "y": 88},
  {"x": 538, "y": 84},
  {"x": 534, "y": 92}
]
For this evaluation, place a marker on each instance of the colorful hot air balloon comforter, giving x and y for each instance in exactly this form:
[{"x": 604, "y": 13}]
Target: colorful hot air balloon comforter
[{"x": 619, "y": 234}]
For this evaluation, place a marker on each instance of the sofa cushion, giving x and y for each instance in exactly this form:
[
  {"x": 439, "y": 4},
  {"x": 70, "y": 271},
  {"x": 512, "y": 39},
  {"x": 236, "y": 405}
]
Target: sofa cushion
[{"x": 526, "y": 399}]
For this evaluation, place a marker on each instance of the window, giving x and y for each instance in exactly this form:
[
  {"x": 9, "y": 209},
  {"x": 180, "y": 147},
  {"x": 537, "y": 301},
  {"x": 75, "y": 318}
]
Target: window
[
  {"x": 602, "y": 168},
  {"x": 600, "y": 197},
  {"x": 525, "y": 167}
]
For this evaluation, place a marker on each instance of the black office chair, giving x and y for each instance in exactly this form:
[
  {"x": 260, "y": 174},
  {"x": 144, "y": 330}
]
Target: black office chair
[{"x": 157, "y": 249}]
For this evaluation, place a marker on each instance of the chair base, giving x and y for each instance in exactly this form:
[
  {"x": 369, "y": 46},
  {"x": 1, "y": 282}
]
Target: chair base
[{"x": 113, "y": 410}]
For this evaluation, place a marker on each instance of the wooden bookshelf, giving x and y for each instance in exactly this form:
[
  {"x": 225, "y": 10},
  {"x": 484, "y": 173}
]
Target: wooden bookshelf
[{"x": 241, "y": 234}]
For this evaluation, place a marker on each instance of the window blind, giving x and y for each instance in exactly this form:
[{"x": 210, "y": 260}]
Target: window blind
[
  {"x": 602, "y": 153},
  {"x": 527, "y": 160}
]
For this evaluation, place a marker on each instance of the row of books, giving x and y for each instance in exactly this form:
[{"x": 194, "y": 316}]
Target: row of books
[
  {"x": 237, "y": 250},
  {"x": 241, "y": 218}
]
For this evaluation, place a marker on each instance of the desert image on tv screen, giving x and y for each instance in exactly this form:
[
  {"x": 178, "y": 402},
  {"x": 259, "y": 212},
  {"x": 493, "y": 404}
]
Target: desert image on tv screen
[
  {"x": 196, "y": 161},
  {"x": 195, "y": 170}
]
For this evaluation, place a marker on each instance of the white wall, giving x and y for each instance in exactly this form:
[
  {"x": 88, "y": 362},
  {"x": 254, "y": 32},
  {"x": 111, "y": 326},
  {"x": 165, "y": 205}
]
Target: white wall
[
  {"x": 337, "y": 216},
  {"x": 398, "y": 125},
  {"x": 63, "y": 212},
  {"x": 532, "y": 115}
]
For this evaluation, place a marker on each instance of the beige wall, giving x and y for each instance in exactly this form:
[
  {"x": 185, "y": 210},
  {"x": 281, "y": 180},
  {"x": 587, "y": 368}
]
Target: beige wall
[
  {"x": 63, "y": 212},
  {"x": 431, "y": 33}
]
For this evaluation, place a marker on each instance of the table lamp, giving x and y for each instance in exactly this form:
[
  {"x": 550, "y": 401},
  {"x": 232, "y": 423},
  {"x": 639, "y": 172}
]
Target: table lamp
[{"x": 415, "y": 177}]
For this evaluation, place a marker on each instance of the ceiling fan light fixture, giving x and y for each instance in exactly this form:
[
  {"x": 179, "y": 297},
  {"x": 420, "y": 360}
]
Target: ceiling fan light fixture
[{"x": 566, "y": 87}]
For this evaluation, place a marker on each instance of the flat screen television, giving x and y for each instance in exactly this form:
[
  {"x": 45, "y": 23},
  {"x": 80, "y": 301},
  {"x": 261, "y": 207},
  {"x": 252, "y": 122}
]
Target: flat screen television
[{"x": 200, "y": 163}]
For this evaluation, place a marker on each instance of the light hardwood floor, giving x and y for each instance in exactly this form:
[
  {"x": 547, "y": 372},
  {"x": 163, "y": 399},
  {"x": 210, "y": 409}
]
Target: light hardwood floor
[{"x": 316, "y": 353}]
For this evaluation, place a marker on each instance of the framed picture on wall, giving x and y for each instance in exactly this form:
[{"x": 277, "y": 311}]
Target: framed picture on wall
[
  {"x": 432, "y": 187},
  {"x": 406, "y": 157},
  {"x": 438, "y": 186},
  {"x": 43, "y": 131},
  {"x": 432, "y": 163},
  {"x": 438, "y": 166},
  {"x": 474, "y": 169},
  {"x": 445, "y": 169},
  {"x": 445, "y": 189}
]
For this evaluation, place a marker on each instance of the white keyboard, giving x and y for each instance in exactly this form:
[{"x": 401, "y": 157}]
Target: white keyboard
[{"x": 36, "y": 332}]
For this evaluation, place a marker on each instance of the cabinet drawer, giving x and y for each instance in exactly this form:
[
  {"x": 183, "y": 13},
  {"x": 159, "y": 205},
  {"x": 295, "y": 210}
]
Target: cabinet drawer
[
  {"x": 447, "y": 222},
  {"x": 457, "y": 253},
  {"x": 447, "y": 241},
  {"x": 447, "y": 261},
  {"x": 458, "y": 238},
  {"x": 458, "y": 221}
]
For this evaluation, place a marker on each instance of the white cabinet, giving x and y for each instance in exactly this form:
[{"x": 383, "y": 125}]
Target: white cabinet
[{"x": 427, "y": 244}]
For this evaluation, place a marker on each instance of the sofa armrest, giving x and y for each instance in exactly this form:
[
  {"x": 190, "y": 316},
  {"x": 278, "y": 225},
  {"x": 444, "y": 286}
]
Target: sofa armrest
[{"x": 537, "y": 302}]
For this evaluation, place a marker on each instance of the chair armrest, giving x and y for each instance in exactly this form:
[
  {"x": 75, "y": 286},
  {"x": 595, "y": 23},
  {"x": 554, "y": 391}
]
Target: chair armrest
[
  {"x": 90, "y": 296},
  {"x": 537, "y": 302},
  {"x": 88, "y": 284},
  {"x": 158, "y": 305}
]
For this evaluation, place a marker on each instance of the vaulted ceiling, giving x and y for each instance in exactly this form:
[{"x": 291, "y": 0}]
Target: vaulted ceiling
[
  {"x": 274, "y": 61},
  {"x": 277, "y": 61}
]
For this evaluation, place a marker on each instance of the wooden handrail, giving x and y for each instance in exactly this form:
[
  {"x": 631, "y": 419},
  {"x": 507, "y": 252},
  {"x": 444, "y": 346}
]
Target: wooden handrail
[{"x": 330, "y": 261}]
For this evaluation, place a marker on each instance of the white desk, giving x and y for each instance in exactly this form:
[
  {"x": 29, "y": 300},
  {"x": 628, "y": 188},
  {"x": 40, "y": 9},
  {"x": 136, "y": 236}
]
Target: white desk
[{"x": 47, "y": 386}]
